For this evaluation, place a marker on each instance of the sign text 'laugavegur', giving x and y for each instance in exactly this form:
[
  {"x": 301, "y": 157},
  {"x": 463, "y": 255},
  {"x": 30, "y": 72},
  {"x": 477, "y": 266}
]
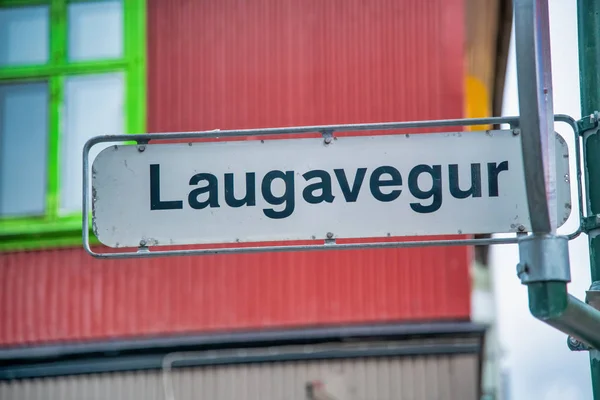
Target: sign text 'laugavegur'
[{"x": 317, "y": 186}]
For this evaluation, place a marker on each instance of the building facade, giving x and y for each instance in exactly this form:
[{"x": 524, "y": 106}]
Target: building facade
[{"x": 271, "y": 323}]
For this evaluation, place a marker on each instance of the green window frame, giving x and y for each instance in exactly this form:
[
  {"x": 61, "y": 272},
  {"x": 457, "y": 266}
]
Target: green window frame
[{"x": 52, "y": 229}]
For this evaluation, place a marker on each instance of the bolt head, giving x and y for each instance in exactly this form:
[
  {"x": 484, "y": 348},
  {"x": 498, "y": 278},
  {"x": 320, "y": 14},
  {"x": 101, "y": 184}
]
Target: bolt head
[
  {"x": 328, "y": 139},
  {"x": 142, "y": 243},
  {"x": 516, "y": 132},
  {"x": 521, "y": 228},
  {"x": 522, "y": 271},
  {"x": 573, "y": 341},
  {"x": 141, "y": 148},
  {"x": 329, "y": 235}
]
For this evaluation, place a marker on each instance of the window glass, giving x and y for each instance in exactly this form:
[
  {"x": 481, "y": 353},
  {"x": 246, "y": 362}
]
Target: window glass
[
  {"x": 23, "y": 148},
  {"x": 95, "y": 30},
  {"x": 24, "y": 33},
  {"x": 93, "y": 106}
]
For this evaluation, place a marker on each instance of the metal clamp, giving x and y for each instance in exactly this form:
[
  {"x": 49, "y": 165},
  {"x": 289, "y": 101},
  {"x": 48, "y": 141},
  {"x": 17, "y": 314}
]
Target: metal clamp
[
  {"x": 575, "y": 344},
  {"x": 590, "y": 223},
  {"x": 588, "y": 123},
  {"x": 592, "y": 295},
  {"x": 327, "y": 136},
  {"x": 543, "y": 258}
]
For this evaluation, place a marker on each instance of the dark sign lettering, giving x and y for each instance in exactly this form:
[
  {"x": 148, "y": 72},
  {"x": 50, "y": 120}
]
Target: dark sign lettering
[{"x": 425, "y": 184}]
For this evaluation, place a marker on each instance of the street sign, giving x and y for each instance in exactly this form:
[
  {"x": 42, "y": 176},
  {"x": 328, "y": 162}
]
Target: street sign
[{"x": 315, "y": 188}]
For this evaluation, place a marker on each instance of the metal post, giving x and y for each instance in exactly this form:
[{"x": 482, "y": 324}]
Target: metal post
[
  {"x": 534, "y": 76},
  {"x": 588, "y": 16},
  {"x": 544, "y": 256}
]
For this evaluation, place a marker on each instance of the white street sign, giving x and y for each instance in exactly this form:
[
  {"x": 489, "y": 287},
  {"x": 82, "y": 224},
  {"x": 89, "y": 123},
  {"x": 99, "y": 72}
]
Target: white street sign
[{"x": 302, "y": 189}]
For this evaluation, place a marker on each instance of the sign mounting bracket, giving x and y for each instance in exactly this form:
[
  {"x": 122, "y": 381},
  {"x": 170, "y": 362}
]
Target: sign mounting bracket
[{"x": 142, "y": 251}]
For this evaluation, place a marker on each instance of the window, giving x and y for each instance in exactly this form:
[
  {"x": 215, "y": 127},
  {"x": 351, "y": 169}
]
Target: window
[
  {"x": 69, "y": 70},
  {"x": 86, "y": 20},
  {"x": 24, "y": 35},
  {"x": 23, "y": 135}
]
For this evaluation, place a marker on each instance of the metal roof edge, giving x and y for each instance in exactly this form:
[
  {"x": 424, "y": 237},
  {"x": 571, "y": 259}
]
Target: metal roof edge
[
  {"x": 142, "y": 353},
  {"x": 472, "y": 345}
]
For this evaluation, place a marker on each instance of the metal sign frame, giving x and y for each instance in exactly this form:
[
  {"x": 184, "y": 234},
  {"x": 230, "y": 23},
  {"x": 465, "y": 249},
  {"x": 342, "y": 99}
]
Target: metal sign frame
[{"x": 327, "y": 131}]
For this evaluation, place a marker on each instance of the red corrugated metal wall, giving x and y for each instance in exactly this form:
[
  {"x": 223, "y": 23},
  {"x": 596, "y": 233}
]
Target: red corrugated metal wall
[
  {"x": 261, "y": 63},
  {"x": 65, "y": 295},
  {"x": 258, "y": 63}
]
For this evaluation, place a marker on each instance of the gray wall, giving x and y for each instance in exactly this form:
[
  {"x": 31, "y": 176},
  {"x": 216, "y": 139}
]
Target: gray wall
[{"x": 381, "y": 378}]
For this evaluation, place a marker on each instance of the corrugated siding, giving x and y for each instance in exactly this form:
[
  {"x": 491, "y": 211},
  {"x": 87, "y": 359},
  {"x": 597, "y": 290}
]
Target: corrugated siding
[
  {"x": 258, "y": 63},
  {"x": 67, "y": 295},
  {"x": 385, "y": 378},
  {"x": 263, "y": 63}
]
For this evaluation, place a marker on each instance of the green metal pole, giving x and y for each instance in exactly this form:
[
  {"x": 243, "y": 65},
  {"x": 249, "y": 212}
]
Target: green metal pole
[
  {"x": 588, "y": 18},
  {"x": 550, "y": 302}
]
